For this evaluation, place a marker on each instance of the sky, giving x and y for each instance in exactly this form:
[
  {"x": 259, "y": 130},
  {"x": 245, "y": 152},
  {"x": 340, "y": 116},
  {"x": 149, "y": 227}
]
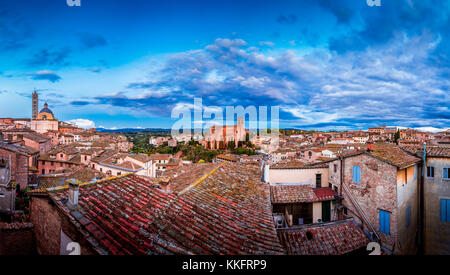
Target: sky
[{"x": 327, "y": 64}]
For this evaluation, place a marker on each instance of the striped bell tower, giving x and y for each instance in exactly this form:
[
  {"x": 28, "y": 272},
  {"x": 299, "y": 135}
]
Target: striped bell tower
[{"x": 35, "y": 105}]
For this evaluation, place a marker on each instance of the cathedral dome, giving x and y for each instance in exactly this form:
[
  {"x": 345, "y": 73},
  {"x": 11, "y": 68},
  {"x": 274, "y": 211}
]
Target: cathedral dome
[
  {"x": 46, "y": 109},
  {"x": 45, "y": 113}
]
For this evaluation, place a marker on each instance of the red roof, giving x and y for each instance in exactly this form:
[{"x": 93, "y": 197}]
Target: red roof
[
  {"x": 299, "y": 194},
  {"x": 227, "y": 212},
  {"x": 324, "y": 193},
  {"x": 335, "y": 238}
]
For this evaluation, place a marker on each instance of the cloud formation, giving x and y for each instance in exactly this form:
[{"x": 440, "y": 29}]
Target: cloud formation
[
  {"x": 48, "y": 57},
  {"x": 82, "y": 123},
  {"x": 319, "y": 89},
  {"x": 45, "y": 75}
]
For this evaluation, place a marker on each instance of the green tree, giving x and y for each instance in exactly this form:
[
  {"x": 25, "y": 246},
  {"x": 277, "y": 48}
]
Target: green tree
[{"x": 397, "y": 136}]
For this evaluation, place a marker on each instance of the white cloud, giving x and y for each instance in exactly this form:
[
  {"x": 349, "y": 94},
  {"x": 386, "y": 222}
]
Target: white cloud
[
  {"x": 82, "y": 123},
  {"x": 267, "y": 43}
]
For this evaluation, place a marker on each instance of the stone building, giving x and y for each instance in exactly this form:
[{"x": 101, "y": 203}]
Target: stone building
[
  {"x": 59, "y": 159},
  {"x": 300, "y": 193},
  {"x": 436, "y": 199},
  {"x": 379, "y": 188},
  {"x": 219, "y": 137},
  {"x": 44, "y": 121},
  {"x": 21, "y": 159}
]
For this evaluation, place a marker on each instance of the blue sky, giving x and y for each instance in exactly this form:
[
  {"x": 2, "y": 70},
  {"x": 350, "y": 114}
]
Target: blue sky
[{"x": 328, "y": 64}]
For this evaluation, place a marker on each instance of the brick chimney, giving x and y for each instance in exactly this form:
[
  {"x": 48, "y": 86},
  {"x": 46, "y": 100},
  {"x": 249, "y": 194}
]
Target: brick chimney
[
  {"x": 370, "y": 146},
  {"x": 74, "y": 191}
]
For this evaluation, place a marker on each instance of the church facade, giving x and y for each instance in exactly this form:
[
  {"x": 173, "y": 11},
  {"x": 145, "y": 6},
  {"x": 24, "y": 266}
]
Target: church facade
[{"x": 44, "y": 120}]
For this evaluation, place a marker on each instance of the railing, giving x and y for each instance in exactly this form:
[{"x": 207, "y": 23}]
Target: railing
[{"x": 355, "y": 203}]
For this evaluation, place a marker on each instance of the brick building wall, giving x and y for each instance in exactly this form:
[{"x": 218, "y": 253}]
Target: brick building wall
[
  {"x": 41, "y": 147},
  {"x": 19, "y": 167},
  {"x": 17, "y": 239},
  {"x": 49, "y": 222},
  {"x": 47, "y": 166},
  {"x": 377, "y": 190}
]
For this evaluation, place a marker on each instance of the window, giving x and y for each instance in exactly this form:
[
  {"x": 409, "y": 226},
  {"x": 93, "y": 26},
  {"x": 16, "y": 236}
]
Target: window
[
  {"x": 384, "y": 217},
  {"x": 43, "y": 171},
  {"x": 318, "y": 180},
  {"x": 445, "y": 210},
  {"x": 335, "y": 168},
  {"x": 408, "y": 215},
  {"x": 356, "y": 174},
  {"x": 445, "y": 174},
  {"x": 430, "y": 171}
]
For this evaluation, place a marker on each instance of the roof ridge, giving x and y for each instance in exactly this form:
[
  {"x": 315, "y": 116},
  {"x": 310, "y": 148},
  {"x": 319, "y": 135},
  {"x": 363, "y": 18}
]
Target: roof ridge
[
  {"x": 64, "y": 187},
  {"x": 201, "y": 179}
]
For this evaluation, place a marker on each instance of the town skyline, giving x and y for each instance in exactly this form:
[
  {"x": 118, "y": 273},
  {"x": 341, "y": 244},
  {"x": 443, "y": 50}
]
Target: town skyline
[{"x": 328, "y": 65}]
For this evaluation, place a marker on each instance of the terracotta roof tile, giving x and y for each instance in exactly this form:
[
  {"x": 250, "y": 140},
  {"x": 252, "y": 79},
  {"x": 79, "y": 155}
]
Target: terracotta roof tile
[
  {"x": 393, "y": 155},
  {"x": 299, "y": 193},
  {"x": 335, "y": 238},
  {"x": 226, "y": 212},
  {"x": 432, "y": 151}
]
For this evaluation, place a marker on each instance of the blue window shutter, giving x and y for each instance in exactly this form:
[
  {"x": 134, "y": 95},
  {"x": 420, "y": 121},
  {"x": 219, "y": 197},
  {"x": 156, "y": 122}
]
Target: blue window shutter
[
  {"x": 448, "y": 210},
  {"x": 356, "y": 174},
  {"x": 381, "y": 221},
  {"x": 443, "y": 210},
  {"x": 358, "y": 177},
  {"x": 386, "y": 222},
  {"x": 445, "y": 176}
]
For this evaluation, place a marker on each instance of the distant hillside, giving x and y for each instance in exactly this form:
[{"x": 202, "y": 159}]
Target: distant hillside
[{"x": 133, "y": 130}]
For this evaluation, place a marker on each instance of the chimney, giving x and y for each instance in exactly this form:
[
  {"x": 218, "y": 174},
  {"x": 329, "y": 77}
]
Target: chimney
[
  {"x": 74, "y": 190},
  {"x": 370, "y": 146}
]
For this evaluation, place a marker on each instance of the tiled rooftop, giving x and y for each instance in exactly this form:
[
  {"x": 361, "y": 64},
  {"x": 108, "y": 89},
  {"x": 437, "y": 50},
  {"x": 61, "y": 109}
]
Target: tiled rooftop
[
  {"x": 389, "y": 153},
  {"x": 82, "y": 174},
  {"x": 140, "y": 157},
  {"x": 226, "y": 212},
  {"x": 432, "y": 151},
  {"x": 183, "y": 176},
  {"x": 297, "y": 164},
  {"x": 24, "y": 150},
  {"x": 299, "y": 194},
  {"x": 393, "y": 155},
  {"x": 335, "y": 238}
]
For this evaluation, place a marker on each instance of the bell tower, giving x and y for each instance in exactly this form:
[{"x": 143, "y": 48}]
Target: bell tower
[{"x": 35, "y": 105}]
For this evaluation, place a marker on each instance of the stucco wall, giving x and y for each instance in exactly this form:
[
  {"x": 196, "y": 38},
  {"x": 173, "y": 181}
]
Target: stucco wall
[
  {"x": 436, "y": 233},
  {"x": 305, "y": 176},
  {"x": 376, "y": 191},
  {"x": 407, "y": 195}
]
